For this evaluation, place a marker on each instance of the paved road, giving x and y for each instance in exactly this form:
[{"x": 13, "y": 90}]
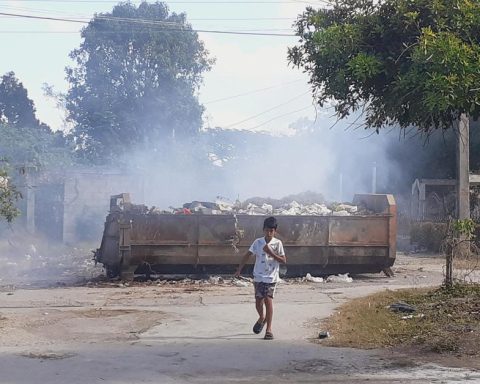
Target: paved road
[{"x": 193, "y": 334}]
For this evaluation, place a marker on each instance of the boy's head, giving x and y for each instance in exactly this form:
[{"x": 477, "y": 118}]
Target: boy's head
[
  {"x": 270, "y": 227},
  {"x": 270, "y": 222}
]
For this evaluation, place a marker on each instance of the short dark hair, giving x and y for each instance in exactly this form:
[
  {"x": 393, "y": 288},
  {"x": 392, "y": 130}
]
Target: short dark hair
[{"x": 270, "y": 222}]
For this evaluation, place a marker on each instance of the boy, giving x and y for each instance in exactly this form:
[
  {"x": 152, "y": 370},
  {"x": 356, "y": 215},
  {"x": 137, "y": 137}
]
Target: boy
[{"x": 269, "y": 253}]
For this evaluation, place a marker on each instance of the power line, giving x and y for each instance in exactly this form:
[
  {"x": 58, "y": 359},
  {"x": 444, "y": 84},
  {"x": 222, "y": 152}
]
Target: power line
[
  {"x": 20, "y": 32},
  {"x": 187, "y": 2},
  {"x": 89, "y": 17},
  {"x": 242, "y": 19},
  {"x": 250, "y": 92},
  {"x": 42, "y": 18},
  {"x": 278, "y": 117},
  {"x": 148, "y": 22},
  {"x": 268, "y": 110}
]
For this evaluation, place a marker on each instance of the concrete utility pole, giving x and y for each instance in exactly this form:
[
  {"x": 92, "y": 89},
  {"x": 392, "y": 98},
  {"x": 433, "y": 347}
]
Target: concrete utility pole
[
  {"x": 374, "y": 178},
  {"x": 340, "y": 192},
  {"x": 463, "y": 168}
]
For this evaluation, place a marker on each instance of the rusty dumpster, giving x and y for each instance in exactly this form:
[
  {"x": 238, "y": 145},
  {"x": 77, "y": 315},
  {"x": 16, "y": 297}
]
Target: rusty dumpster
[{"x": 138, "y": 241}]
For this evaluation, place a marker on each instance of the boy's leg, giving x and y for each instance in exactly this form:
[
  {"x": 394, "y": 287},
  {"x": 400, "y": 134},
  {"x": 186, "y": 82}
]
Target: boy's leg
[
  {"x": 259, "y": 306},
  {"x": 269, "y": 314}
]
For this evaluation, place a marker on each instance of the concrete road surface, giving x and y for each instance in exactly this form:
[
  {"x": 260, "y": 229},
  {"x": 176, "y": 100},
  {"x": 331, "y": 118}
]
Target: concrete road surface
[{"x": 197, "y": 333}]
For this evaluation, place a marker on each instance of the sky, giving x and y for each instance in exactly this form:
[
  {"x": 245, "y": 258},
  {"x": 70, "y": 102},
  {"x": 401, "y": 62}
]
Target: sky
[{"x": 251, "y": 86}]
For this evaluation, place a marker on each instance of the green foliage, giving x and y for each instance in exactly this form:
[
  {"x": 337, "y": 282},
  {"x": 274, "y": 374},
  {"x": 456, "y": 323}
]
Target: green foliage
[
  {"x": 16, "y": 109},
  {"x": 28, "y": 146},
  {"x": 24, "y": 139},
  {"x": 405, "y": 62},
  {"x": 8, "y": 197},
  {"x": 135, "y": 83},
  {"x": 465, "y": 228},
  {"x": 428, "y": 235}
]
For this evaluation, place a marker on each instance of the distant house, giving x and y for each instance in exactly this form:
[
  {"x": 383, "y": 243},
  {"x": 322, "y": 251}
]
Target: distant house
[{"x": 435, "y": 199}]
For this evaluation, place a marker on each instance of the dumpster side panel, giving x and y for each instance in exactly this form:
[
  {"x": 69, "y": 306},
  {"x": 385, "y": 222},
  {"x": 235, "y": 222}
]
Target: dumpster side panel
[
  {"x": 217, "y": 243},
  {"x": 359, "y": 230}
]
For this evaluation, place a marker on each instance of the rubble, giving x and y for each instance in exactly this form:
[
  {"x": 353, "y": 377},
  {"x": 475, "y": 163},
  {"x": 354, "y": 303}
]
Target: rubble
[{"x": 30, "y": 262}]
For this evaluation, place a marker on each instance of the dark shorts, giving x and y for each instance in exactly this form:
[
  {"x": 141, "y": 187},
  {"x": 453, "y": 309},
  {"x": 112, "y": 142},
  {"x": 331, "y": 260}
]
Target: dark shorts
[{"x": 263, "y": 290}]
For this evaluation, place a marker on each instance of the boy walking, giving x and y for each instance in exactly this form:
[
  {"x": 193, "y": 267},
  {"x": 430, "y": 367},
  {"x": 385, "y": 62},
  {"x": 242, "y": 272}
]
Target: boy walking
[{"x": 269, "y": 254}]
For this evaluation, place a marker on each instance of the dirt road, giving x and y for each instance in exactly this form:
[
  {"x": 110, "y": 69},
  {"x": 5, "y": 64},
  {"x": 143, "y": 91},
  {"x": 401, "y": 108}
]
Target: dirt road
[{"x": 198, "y": 333}]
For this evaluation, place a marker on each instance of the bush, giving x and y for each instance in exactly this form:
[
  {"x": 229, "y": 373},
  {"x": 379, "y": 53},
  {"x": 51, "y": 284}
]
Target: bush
[{"x": 428, "y": 235}]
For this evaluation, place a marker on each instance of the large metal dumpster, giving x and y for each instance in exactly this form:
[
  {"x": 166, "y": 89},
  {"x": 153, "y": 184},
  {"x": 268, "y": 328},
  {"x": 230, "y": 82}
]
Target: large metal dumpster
[{"x": 136, "y": 240}]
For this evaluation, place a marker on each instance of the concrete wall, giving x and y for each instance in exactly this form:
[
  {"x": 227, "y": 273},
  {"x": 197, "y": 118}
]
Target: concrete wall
[{"x": 87, "y": 197}]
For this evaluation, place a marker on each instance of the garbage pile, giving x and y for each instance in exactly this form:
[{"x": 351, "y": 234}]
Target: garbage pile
[{"x": 298, "y": 205}]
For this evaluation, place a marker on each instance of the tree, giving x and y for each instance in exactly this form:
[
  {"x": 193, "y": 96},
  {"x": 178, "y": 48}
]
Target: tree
[
  {"x": 29, "y": 147},
  {"x": 135, "y": 83},
  {"x": 403, "y": 62},
  {"x": 8, "y": 196},
  {"x": 24, "y": 139},
  {"x": 16, "y": 109}
]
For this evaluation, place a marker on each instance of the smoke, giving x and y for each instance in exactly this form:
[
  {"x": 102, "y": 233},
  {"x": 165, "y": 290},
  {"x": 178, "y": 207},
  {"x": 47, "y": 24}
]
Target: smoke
[
  {"x": 335, "y": 161},
  {"x": 35, "y": 261}
]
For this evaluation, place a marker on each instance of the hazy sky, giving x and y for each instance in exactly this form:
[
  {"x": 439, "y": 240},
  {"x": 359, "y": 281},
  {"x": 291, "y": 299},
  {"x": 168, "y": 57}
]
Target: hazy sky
[{"x": 276, "y": 94}]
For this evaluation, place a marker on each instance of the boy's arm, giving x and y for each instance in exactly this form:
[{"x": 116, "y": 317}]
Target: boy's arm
[
  {"x": 242, "y": 263},
  {"x": 282, "y": 259}
]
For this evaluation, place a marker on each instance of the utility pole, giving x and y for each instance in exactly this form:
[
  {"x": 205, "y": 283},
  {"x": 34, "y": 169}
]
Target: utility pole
[
  {"x": 374, "y": 178},
  {"x": 463, "y": 194},
  {"x": 340, "y": 192},
  {"x": 463, "y": 168}
]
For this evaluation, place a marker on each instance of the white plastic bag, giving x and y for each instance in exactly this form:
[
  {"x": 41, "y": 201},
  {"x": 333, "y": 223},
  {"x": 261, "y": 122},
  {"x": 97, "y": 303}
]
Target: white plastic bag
[{"x": 339, "y": 278}]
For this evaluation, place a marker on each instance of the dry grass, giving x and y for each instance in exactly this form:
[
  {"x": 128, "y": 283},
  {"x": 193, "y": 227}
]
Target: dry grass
[{"x": 450, "y": 322}]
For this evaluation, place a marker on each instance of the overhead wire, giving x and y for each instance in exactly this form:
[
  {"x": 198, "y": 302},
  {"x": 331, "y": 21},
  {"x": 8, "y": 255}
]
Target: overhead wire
[
  {"x": 249, "y": 92},
  {"x": 79, "y": 16},
  {"x": 172, "y": 26},
  {"x": 266, "y": 111},
  {"x": 278, "y": 117},
  {"x": 168, "y": 26},
  {"x": 190, "y": 2}
]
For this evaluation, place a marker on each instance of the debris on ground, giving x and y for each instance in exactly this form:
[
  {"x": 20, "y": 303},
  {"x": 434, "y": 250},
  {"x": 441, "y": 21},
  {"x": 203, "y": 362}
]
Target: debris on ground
[
  {"x": 31, "y": 261},
  {"x": 313, "y": 279},
  {"x": 340, "y": 278},
  {"x": 215, "y": 280},
  {"x": 402, "y": 307},
  {"x": 408, "y": 317},
  {"x": 323, "y": 335},
  {"x": 240, "y": 283}
]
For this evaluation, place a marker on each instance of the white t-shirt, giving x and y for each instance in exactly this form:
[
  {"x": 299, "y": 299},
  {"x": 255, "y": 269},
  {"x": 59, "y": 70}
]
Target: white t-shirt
[{"x": 266, "y": 268}]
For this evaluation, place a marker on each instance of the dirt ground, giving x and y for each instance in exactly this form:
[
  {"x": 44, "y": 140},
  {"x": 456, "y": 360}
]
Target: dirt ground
[{"x": 75, "y": 328}]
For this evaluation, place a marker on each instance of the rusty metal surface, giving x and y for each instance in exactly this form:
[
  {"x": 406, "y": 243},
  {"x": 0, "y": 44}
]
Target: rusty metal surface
[{"x": 208, "y": 242}]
